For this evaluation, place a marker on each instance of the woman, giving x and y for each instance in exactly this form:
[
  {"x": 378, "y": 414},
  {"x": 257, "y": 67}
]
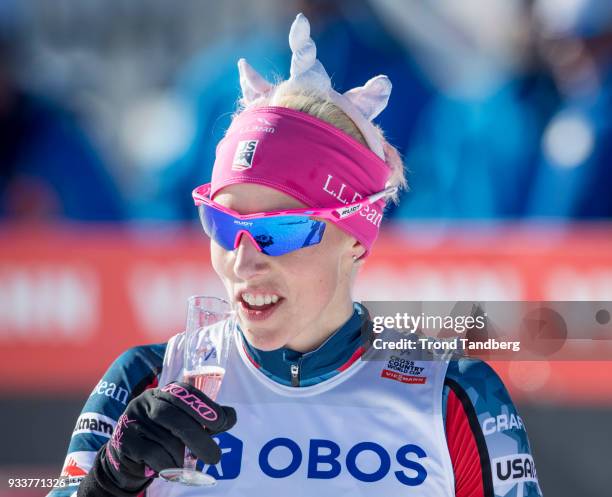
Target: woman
[{"x": 303, "y": 412}]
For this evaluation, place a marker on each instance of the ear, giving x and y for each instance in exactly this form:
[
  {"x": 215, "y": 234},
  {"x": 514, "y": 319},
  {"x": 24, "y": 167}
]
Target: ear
[
  {"x": 358, "y": 250},
  {"x": 253, "y": 85},
  {"x": 371, "y": 98}
]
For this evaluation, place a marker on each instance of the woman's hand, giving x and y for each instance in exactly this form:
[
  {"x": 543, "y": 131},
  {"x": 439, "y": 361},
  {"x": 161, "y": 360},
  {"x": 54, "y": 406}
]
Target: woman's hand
[{"x": 151, "y": 435}]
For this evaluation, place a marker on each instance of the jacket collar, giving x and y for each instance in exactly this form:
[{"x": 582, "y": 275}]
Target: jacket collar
[{"x": 342, "y": 348}]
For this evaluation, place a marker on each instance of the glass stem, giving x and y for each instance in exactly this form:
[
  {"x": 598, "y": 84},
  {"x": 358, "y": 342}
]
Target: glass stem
[{"x": 190, "y": 460}]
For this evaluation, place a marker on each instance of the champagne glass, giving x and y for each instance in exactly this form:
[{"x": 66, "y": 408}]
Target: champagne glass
[{"x": 208, "y": 337}]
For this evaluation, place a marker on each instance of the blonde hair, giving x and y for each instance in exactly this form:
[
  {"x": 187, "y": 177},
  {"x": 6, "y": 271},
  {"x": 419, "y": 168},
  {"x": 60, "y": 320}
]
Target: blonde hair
[{"x": 317, "y": 105}]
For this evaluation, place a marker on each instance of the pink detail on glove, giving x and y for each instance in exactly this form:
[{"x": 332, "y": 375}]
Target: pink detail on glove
[
  {"x": 112, "y": 459},
  {"x": 117, "y": 438},
  {"x": 198, "y": 405}
]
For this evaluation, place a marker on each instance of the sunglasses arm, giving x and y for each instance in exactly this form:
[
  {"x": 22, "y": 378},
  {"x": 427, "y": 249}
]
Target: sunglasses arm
[
  {"x": 385, "y": 193},
  {"x": 351, "y": 210}
]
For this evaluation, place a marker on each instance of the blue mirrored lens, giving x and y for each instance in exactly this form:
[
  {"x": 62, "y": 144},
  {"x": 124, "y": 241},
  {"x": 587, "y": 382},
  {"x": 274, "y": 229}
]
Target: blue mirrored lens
[{"x": 275, "y": 235}]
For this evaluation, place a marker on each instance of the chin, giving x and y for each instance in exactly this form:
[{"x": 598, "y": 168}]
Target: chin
[{"x": 265, "y": 340}]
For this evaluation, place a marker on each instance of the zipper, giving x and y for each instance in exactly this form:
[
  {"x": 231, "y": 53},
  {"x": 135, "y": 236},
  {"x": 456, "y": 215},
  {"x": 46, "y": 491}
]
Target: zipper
[{"x": 295, "y": 375}]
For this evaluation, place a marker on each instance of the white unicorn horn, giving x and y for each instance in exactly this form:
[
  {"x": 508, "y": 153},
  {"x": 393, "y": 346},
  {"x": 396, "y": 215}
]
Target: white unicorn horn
[
  {"x": 253, "y": 85},
  {"x": 371, "y": 98},
  {"x": 303, "y": 47},
  {"x": 305, "y": 68}
]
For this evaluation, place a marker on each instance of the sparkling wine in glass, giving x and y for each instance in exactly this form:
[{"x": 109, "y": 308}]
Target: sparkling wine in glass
[
  {"x": 207, "y": 379},
  {"x": 208, "y": 336}
]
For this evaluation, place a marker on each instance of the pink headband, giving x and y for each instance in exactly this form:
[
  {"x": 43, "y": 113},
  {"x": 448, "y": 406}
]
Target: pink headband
[{"x": 307, "y": 158}]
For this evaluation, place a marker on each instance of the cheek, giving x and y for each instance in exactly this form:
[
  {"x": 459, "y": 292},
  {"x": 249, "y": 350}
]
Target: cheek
[
  {"x": 314, "y": 276},
  {"x": 219, "y": 261}
]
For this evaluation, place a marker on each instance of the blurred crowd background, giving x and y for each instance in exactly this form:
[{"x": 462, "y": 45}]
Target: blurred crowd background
[{"x": 110, "y": 112}]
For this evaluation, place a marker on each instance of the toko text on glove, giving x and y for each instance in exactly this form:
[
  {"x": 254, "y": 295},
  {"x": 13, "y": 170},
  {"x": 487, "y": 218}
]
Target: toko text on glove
[{"x": 151, "y": 435}]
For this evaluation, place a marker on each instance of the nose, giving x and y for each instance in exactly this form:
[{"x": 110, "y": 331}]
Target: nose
[{"x": 249, "y": 261}]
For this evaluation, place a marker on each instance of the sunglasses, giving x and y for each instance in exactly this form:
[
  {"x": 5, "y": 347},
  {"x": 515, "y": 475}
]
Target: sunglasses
[{"x": 273, "y": 233}]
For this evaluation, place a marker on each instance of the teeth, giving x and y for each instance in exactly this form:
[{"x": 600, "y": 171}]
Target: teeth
[{"x": 259, "y": 300}]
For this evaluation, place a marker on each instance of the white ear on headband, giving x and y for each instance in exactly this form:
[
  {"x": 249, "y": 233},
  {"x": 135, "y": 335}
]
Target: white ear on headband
[
  {"x": 253, "y": 85},
  {"x": 361, "y": 104},
  {"x": 371, "y": 98}
]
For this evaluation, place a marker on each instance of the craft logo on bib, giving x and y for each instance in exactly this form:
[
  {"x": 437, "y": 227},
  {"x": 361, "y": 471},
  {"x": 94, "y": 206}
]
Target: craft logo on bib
[{"x": 245, "y": 152}]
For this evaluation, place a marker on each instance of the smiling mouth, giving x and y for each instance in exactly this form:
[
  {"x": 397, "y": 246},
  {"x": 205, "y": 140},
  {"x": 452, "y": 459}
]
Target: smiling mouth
[{"x": 260, "y": 306}]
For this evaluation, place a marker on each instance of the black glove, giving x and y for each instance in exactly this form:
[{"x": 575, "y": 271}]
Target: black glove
[{"x": 151, "y": 435}]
